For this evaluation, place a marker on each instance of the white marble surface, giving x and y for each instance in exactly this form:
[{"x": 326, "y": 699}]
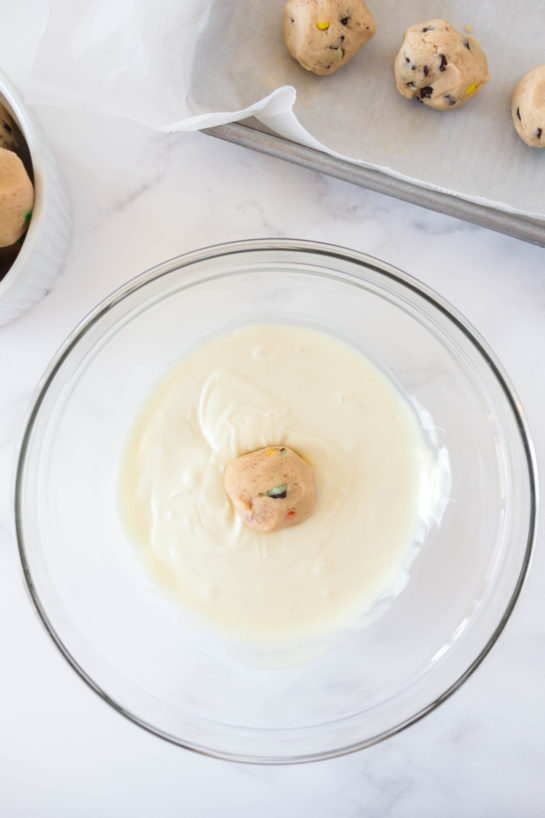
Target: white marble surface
[{"x": 139, "y": 198}]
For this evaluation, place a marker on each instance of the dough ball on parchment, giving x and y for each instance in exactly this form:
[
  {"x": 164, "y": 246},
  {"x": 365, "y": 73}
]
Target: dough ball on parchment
[
  {"x": 323, "y": 35},
  {"x": 441, "y": 67},
  {"x": 528, "y": 107},
  {"x": 271, "y": 488}
]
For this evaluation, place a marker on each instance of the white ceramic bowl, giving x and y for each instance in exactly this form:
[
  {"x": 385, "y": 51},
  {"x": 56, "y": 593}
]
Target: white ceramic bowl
[{"x": 44, "y": 249}]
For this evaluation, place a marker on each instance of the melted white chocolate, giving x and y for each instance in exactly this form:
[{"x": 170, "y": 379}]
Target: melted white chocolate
[{"x": 282, "y": 385}]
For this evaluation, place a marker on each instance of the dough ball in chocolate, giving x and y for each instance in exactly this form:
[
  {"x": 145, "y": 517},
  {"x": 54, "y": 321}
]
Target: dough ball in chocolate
[
  {"x": 441, "y": 67},
  {"x": 528, "y": 107},
  {"x": 16, "y": 198},
  {"x": 271, "y": 488},
  {"x": 323, "y": 35}
]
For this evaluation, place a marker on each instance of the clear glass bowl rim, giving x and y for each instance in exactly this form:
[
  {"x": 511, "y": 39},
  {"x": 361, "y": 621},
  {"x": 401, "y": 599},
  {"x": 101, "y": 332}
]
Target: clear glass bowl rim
[{"x": 322, "y": 249}]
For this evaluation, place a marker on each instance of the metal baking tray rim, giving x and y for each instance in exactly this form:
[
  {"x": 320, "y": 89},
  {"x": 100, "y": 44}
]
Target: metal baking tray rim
[{"x": 252, "y": 134}]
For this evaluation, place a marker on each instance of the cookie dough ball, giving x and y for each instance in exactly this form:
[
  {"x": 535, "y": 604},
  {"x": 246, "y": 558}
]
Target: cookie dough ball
[
  {"x": 528, "y": 107},
  {"x": 271, "y": 488},
  {"x": 441, "y": 67},
  {"x": 16, "y": 198},
  {"x": 322, "y": 35},
  {"x": 8, "y": 133}
]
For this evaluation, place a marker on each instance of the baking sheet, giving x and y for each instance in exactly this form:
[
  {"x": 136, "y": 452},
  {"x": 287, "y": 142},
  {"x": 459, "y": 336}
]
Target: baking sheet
[
  {"x": 357, "y": 112},
  {"x": 252, "y": 134},
  {"x": 190, "y": 65}
]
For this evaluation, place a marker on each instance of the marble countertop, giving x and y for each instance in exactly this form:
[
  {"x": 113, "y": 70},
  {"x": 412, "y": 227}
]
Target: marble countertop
[{"x": 140, "y": 197}]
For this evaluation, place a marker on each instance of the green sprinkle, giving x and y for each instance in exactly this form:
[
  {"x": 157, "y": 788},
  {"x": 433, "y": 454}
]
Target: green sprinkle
[
  {"x": 340, "y": 53},
  {"x": 283, "y": 453},
  {"x": 278, "y": 492},
  {"x": 28, "y": 215}
]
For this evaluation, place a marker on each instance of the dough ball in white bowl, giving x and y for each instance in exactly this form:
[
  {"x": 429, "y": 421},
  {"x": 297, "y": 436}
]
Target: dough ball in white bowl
[{"x": 28, "y": 271}]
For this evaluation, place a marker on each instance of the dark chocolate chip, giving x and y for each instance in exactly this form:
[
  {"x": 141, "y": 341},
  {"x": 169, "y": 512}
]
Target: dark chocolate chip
[
  {"x": 443, "y": 64},
  {"x": 7, "y": 127},
  {"x": 292, "y": 20},
  {"x": 344, "y": 21},
  {"x": 450, "y": 99},
  {"x": 328, "y": 67},
  {"x": 466, "y": 43},
  {"x": 426, "y": 92},
  {"x": 539, "y": 132},
  {"x": 427, "y": 28},
  {"x": 419, "y": 100},
  {"x": 518, "y": 114},
  {"x": 426, "y": 70},
  {"x": 407, "y": 59},
  {"x": 413, "y": 67},
  {"x": 341, "y": 38}
]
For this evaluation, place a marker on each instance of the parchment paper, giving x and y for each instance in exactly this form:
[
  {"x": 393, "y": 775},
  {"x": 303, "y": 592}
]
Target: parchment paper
[{"x": 184, "y": 65}]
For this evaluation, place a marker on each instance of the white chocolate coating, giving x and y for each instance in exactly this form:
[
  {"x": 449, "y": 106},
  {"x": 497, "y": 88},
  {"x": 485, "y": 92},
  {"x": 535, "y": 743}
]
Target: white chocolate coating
[{"x": 303, "y": 389}]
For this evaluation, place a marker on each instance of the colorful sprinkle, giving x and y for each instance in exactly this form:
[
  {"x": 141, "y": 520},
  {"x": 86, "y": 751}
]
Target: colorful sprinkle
[
  {"x": 283, "y": 453},
  {"x": 290, "y": 515},
  {"x": 278, "y": 492},
  {"x": 322, "y": 26},
  {"x": 470, "y": 89}
]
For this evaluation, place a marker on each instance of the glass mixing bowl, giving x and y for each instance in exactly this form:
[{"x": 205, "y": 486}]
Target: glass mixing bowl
[{"x": 127, "y": 638}]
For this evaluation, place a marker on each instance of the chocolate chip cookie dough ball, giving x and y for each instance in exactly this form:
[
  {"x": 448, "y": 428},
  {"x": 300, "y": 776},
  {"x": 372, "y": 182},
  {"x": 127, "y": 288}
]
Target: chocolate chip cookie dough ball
[
  {"x": 271, "y": 488},
  {"x": 16, "y": 198},
  {"x": 8, "y": 134},
  {"x": 323, "y": 35},
  {"x": 528, "y": 107},
  {"x": 440, "y": 66}
]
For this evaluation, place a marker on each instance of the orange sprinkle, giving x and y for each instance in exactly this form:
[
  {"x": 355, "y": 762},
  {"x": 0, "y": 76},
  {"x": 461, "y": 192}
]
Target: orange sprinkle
[{"x": 290, "y": 514}]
